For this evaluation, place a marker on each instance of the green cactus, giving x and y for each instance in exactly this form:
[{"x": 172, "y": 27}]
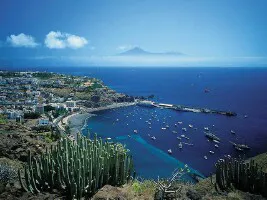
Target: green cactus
[
  {"x": 243, "y": 176},
  {"x": 79, "y": 168}
]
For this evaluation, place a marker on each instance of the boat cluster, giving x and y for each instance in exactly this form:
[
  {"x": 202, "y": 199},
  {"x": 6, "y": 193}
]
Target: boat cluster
[{"x": 183, "y": 138}]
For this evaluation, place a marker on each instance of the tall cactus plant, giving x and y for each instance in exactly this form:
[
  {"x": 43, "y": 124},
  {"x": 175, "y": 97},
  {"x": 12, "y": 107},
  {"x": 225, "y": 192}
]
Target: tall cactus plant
[
  {"x": 78, "y": 168},
  {"x": 245, "y": 176}
]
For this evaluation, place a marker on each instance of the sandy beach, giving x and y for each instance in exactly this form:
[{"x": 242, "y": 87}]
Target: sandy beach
[{"x": 76, "y": 121}]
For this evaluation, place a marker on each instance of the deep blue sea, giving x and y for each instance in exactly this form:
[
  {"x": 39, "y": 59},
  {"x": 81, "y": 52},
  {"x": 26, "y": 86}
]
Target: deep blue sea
[{"x": 242, "y": 90}]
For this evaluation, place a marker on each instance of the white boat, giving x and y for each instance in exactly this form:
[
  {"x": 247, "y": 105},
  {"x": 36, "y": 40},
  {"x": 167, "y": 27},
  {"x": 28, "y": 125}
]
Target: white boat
[
  {"x": 117, "y": 120},
  {"x": 190, "y": 126},
  {"x": 135, "y": 131},
  {"x": 180, "y": 122},
  {"x": 216, "y": 145},
  {"x": 108, "y": 138},
  {"x": 205, "y": 157},
  {"x": 180, "y": 145},
  {"x": 211, "y": 152},
  {"x": 189, "y": 144},
  {"x": 175, "y": 124},
  {"x": 174, "y": 131},
  {"x": 163, "y": 128},
  {"x": 179, "y": 138},
  {"x": 149, "y": 127},
  {"x": 233, "y": 132},
  {"x": 153, "y": 137},
  {"x": 184, "y": 129},
  {"x": 167, "y": 126},
  {"x": 206, "y": 128},
  {"x": 170, "y": 151},
  {"x": 216, "y": 141}
]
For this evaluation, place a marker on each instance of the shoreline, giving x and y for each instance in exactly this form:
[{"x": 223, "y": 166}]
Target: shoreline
[{"x": 77, "y": 121}]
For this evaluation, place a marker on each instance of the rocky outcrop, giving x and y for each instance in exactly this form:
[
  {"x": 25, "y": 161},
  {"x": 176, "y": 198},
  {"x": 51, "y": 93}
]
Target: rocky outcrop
[
  {"x": 111, "y": 193},
  {"x": 16, "y": 140}
]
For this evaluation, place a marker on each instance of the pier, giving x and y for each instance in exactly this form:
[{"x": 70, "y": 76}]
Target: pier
[{"x": 182, "y": 108}]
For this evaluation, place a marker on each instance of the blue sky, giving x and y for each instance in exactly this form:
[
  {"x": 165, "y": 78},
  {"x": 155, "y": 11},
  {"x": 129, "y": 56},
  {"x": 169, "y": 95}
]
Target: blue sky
[{"x": 91, "y": 32}]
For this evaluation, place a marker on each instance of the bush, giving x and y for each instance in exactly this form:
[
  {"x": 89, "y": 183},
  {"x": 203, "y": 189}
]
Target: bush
[{"x": 7, "y": 174}]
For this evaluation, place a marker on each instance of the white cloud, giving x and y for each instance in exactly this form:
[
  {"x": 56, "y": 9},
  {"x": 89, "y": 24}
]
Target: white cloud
[
  {"x": 22, "y": 40},
  {"x": 58, "y": 40}
]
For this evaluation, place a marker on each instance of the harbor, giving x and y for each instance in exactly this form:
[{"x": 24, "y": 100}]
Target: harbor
[{"x": 183, "y": 108}]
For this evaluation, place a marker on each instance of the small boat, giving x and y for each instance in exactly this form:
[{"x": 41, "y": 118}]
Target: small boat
[
  {"x": 170, "y": 151},
  {"x": 233, "y": 132},
  {"x": 183, "y": 136},
  {"x": 180, "y": 122},
  {"x": 149, "y": 127},
  {"x": 206, "y": 128},
  {"x": 241, "y": 146},
  {"x": 180, "y": 145},
  {"x": 129, "y": 136},
  {"x": 190, "y": 126},
  {"x": 117, "y": 120},
  {"x": 174, "y": 131},
  {"x": 175, "y": 125},
  {"x": 212, "y": 136},
  {"x": 206, "y": 90},
  {"x": 189, "y": 144},
  {"x": 216, "y": 141},
  {"x": 184, "y": 129},
  {"x": 245, "y": 116},
  {"x": 238, "y": 149},
  {"x": 163, "y": 128},
  {"x": 108, "y": 138},
  {"x": 153, "y": 138},
  {"x": 167, "y": 126},
  {"x": 135, "y": 131},
  {"x": 211, "y": 152},
  {"x": 216, "y": 145},
  {"x": 205, "y": 157},
  {"x": 179, "y": 138}
]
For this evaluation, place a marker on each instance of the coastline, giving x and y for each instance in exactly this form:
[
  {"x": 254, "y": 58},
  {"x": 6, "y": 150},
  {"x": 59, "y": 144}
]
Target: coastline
[{"x": 77, "y": 121}]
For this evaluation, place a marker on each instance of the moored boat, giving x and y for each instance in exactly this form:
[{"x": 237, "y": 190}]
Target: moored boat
[{"x": 212, "y": 136}]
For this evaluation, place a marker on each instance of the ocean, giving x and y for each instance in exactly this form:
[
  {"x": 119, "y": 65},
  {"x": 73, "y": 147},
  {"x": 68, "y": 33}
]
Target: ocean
[{"x": 241, "y": 90}]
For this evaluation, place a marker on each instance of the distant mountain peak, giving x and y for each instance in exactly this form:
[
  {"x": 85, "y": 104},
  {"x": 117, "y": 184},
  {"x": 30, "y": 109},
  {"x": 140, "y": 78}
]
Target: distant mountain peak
[{"x": 137, "y": 51}]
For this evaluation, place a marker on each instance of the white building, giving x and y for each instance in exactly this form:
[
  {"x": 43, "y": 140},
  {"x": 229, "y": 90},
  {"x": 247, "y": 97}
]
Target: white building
[
  {"x": 71, "y": 104},
  {"x": 43, "y": 122}
]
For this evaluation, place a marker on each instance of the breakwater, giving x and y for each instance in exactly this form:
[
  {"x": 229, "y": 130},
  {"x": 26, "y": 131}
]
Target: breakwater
[{"x": 183, "y": 108}]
